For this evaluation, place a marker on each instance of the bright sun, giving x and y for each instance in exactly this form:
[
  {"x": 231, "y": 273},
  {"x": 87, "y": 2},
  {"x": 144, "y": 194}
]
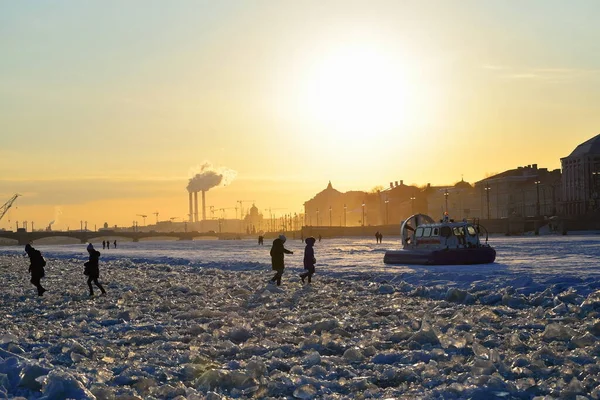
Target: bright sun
[{"x": 356, "y": 91}]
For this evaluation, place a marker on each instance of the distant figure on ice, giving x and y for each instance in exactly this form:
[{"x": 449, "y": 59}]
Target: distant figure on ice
[
  {"x": 277, "y": 252},
  {"x": 377, "y": 237},
  {"x": 115, "y": 244},
  {"x": 92, "y": 270},
  {"x": 107, "y": 244},
  {"x": 36, "y": 267},
  {"x": 261, "y": 240},
  {"x": 380, "y": 237},
  {"x": 103, "y": 244},
  {"x": 309, "y": 259},
  {"x": 320, "y": 237}
]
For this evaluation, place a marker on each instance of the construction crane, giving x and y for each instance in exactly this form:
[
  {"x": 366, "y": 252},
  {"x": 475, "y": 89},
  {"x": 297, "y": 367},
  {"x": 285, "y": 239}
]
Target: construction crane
[
  {"x": 242, "y": 206},
  {"x": 227, "y": 208},
  {"x": 8, "y": 205},
  {"x": 143, "y": 216},
  {"x": 156, "y": 214}
]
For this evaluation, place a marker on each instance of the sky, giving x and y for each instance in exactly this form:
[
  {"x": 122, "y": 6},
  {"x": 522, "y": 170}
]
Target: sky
[{"x": 109, "y": 108}]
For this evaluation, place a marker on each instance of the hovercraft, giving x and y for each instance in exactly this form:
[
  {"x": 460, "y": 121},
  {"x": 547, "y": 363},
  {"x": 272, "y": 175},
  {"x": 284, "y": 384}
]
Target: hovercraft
[{"x": 447, "y": 242}]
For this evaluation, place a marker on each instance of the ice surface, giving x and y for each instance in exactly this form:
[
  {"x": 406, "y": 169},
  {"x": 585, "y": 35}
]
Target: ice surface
[{"x": 197, "y": 320}]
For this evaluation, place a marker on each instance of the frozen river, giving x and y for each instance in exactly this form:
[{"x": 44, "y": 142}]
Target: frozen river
[
  {"x": 535, "y": 261},
  {"x": 197, "y": 320}
]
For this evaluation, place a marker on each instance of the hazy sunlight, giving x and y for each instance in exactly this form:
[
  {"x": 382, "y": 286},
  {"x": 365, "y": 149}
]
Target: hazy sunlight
[{"x": 356, "y": 90}]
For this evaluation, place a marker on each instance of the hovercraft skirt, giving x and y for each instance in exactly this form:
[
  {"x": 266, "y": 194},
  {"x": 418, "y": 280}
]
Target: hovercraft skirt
[{"x": 462, "y": 256}]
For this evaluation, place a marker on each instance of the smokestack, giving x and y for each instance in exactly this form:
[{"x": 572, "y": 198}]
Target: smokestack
[
  {"x": 391, "y": 185},
  {"x": 401, "y": 182},
  {"x": 396, "y": 183},
  {"x": 191, "y": 209},
  {"x": 203, "y": 205},
  {"x": 195, "y": 206}
]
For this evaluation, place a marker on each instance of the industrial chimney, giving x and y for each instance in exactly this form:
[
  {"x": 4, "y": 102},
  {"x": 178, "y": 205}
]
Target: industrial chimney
[
  {"x": 203, "y": 205},
  {"x": 195, "y": 206},
  {"x": 191, "y": 209}
]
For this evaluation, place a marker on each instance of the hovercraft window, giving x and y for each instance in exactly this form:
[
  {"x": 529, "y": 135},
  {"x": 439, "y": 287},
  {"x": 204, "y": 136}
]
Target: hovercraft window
[
  {"x": 445, "y": 231},
  {"x": 427, "y": 232},
  {"x": 435, "y": 232},
  {"x": 471, "y": 230},
  {"x": 419, "y": 232}
]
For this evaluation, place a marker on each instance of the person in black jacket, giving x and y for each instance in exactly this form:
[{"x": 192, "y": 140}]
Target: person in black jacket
[
  {"x": 36, "y": 267},
  {"x": 309, "y": 259},
  {"x": 92, "y": 270},
  {"x": 277, "y": 252}
]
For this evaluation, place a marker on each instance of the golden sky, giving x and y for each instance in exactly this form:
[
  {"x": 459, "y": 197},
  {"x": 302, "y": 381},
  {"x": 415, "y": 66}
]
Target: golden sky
[{"x": 108, "y": 108}]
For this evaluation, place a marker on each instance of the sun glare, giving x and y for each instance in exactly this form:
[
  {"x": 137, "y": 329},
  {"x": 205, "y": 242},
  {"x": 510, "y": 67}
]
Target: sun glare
[{"x": 356, "y": 91}]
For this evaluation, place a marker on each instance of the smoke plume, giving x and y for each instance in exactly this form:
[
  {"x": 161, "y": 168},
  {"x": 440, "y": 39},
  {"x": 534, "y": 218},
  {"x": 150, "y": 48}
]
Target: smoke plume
[
  {"x": 57, "y": 213},
  {"x": 209, "y": 177}
]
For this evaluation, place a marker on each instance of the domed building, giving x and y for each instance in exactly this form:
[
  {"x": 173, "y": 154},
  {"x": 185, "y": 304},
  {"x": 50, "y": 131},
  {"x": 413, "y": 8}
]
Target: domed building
[
  {"x": 581, "y": 178},
  {"x": 330, "y": 207},
  {"x": 253, "y": 221}
]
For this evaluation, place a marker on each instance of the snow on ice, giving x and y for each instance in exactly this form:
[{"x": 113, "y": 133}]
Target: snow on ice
[{"x": 199, "y": 321}]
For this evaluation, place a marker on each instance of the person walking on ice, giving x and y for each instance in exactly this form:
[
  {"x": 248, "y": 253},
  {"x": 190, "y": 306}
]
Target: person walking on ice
[
  {"x": 36, "y": 267},
  {"x": 309, "y": 259},
  {"x": 92, "y": 270},
  {"x": 277, "y": 254}
]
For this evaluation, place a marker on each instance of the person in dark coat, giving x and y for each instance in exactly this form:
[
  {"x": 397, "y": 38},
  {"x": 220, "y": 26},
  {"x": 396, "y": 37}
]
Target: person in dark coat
[
  {"x": 36, "y": 267},
  {"x": 309, "y": 259},
  {"x": 92, "y": 270},
  {"x": 277, "y": 254},
  {"x": 115, "y": 244}
]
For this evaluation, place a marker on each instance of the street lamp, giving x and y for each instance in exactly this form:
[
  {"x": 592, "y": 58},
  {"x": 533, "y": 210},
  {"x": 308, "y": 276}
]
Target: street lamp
[
  {"x": 446, "y": 198},
  {"x": 595, "y": 175},
  {"x": 487, "y": 195},
  {"x": 344, "y": 215},
  {"x": 363, "y": 214},
  {"x": 412, "y": 204},
  {"x": 537, "y": 204},
  {"x": 330, "y": 216},
  {"x": 386, "y": 211}
]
